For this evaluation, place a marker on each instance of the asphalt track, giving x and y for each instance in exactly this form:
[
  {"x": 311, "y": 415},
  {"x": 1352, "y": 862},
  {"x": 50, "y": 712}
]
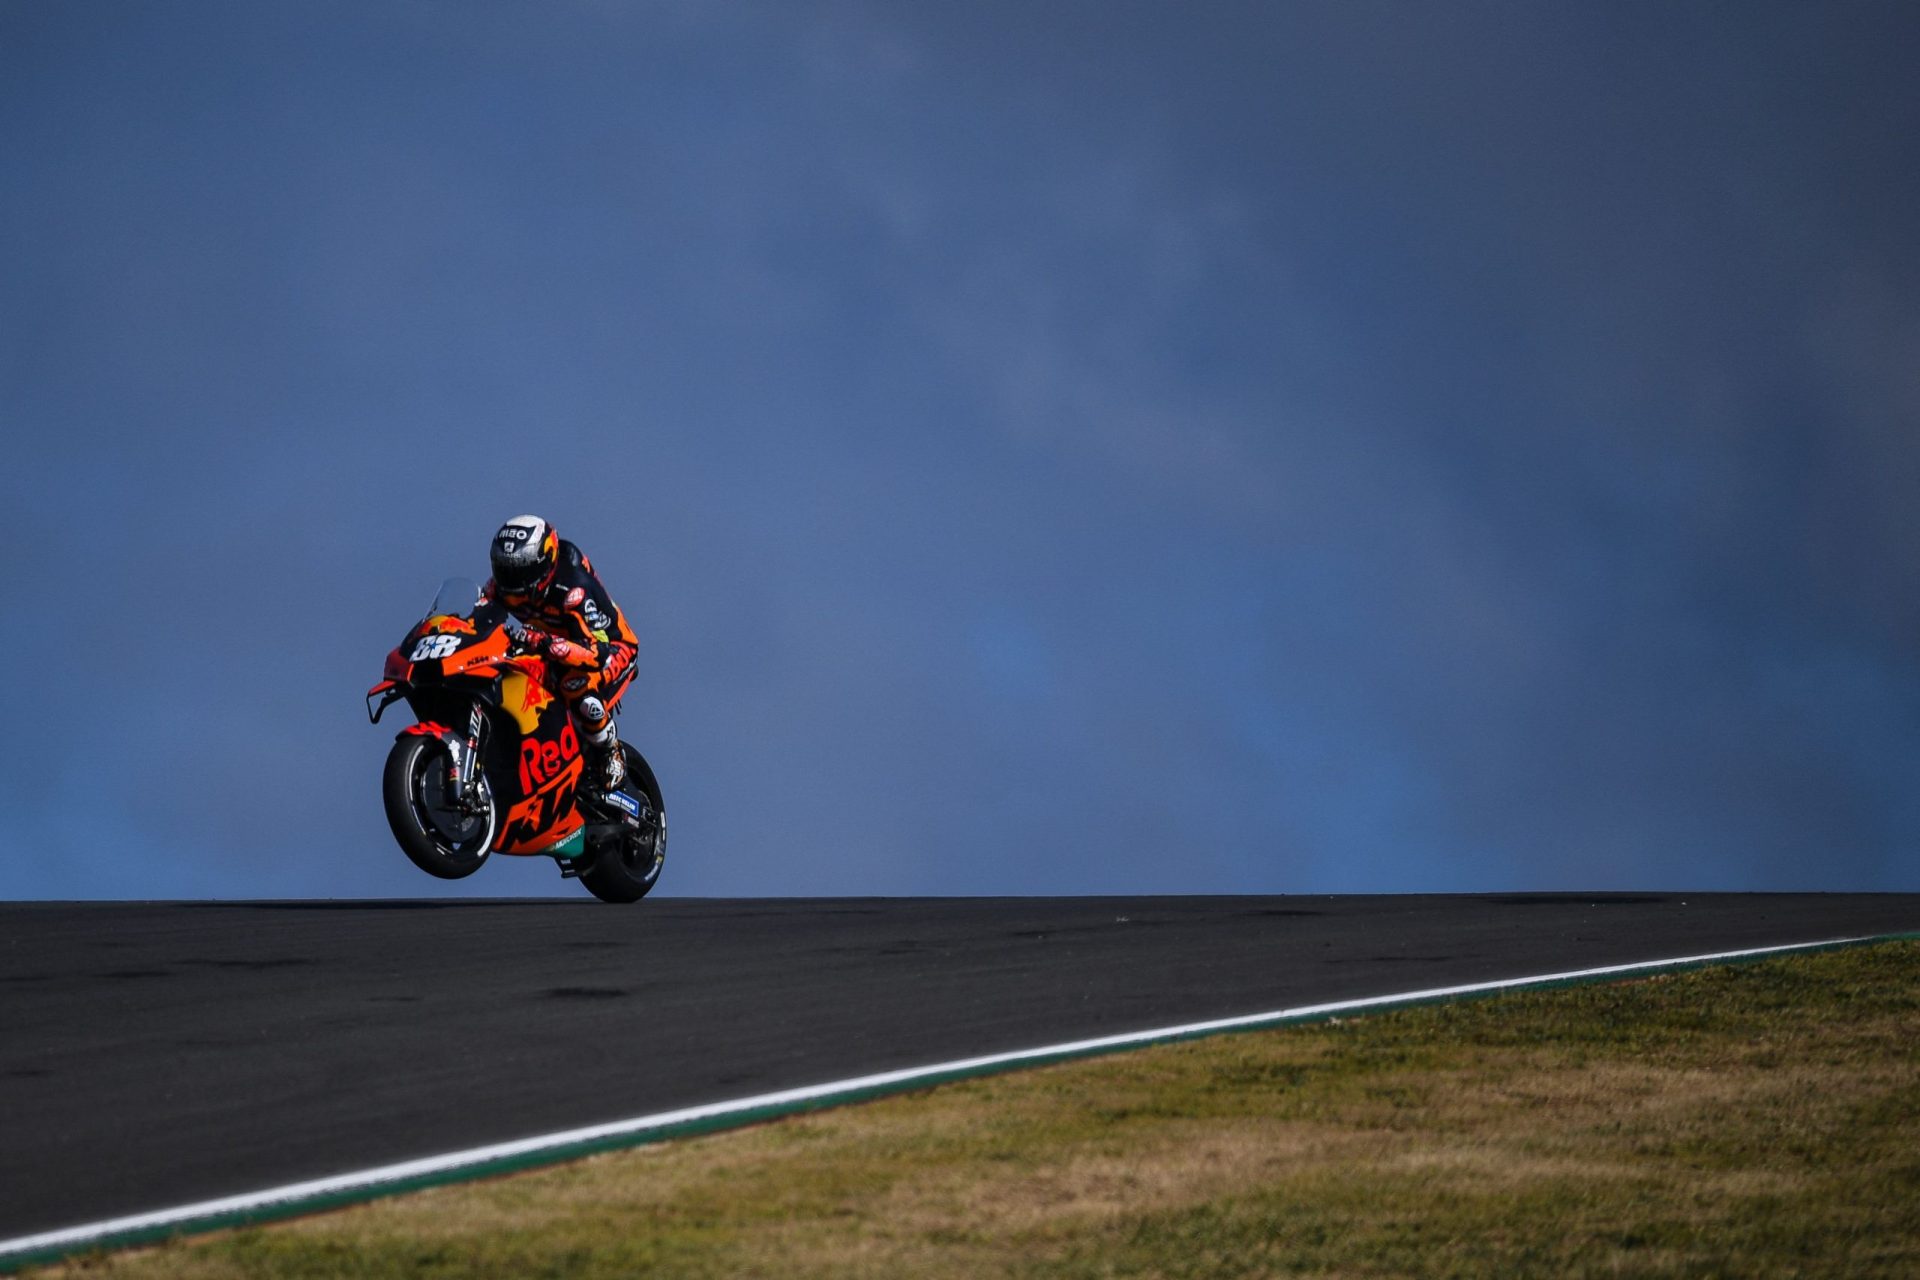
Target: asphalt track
[{"x": 155, "y": 1054}]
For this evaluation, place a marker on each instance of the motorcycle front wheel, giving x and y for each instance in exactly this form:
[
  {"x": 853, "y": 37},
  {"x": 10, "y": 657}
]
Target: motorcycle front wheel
[{"x": 440, "y": 837}]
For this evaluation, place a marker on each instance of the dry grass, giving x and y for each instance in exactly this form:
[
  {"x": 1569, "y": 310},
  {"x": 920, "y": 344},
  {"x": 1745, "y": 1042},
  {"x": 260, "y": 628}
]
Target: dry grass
[{"x": 1753, "y": 1121}]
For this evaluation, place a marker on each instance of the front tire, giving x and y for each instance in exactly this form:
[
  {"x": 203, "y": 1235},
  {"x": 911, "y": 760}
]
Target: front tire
[
  {"x": 440, "y": 839},
  {"x": 626, "y": 869}
]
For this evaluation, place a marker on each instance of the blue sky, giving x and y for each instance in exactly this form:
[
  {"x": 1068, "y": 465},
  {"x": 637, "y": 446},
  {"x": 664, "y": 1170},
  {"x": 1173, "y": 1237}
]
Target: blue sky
[{"x": 1061, "y": 448}]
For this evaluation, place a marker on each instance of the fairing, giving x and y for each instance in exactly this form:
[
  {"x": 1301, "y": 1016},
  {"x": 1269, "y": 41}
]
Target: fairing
[{"x": 462, "y": 651}]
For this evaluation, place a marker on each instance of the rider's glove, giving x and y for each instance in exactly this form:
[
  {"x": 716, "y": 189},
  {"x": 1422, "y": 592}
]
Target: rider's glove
[{"x": 534, "y": 640}]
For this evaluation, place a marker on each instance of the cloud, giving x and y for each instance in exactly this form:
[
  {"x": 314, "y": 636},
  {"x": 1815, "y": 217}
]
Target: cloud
[{"x": 1046, "y": 450}]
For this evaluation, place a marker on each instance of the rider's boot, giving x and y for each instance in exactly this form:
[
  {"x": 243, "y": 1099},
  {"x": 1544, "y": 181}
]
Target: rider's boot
[{"x": 604, "y": 757}]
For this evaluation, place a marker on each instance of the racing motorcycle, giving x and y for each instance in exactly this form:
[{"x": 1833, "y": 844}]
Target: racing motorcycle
[{"x": 494, "y": 764}]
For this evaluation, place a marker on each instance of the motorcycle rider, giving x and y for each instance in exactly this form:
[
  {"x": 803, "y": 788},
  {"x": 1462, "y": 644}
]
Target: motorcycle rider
[{"x": 548, "y": 584}]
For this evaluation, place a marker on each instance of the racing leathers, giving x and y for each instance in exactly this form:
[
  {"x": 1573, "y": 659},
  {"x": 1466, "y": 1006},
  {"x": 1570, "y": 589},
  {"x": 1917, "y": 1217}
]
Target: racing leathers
[{"x": 589, "y": 647}]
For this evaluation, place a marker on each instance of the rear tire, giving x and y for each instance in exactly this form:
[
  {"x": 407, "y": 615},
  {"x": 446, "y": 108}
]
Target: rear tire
[
  {"x": 440, "y": 841},
  {"x": 626, "y": 870}
]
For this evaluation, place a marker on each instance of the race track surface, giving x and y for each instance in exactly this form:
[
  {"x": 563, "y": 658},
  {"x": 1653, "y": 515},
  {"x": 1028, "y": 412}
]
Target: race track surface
[{"x": 156, "y": 1054}]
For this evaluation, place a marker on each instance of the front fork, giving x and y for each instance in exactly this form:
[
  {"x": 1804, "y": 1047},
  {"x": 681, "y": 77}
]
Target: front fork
[{"x": 464, "y": 774}]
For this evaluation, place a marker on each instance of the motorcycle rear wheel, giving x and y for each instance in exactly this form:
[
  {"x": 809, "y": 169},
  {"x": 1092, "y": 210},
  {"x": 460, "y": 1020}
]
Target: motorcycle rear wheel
[
  {"x": 627, "y": 869},
  {"x": 439, "y": 839}
]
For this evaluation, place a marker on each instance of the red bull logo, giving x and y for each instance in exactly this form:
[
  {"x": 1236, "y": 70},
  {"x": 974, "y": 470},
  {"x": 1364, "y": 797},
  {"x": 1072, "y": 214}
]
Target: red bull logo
[
  {"x": 618, "y": 661},
  {"x": 536, "y": 698},
  {"x": 447, "y": 624},
  {"x": 542, "y": 762},
  {"x": 524, "y": 698}
]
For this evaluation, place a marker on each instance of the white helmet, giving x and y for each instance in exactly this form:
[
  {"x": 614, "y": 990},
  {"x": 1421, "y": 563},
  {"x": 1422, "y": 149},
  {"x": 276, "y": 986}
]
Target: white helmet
[{"x": 525, "y": 555}]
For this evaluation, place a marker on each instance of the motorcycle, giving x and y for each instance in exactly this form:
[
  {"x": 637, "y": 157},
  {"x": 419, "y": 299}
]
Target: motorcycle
[{"x": 494, "y": 763}]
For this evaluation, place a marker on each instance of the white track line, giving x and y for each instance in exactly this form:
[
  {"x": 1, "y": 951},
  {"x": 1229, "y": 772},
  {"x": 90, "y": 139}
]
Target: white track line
[{"x": 288, "y": 1197}]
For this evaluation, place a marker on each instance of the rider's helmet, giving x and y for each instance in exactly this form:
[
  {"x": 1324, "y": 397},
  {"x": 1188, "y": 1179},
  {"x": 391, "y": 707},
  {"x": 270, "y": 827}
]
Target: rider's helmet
[{"x": 525, "y": 555}]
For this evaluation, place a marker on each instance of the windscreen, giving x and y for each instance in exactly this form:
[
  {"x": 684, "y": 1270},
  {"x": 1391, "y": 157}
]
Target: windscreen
[{"x": 458, "y": 597}]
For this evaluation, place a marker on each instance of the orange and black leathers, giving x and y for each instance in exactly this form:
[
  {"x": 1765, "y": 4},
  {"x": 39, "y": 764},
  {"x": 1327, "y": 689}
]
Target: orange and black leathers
[{"x": 575, "y": 608}]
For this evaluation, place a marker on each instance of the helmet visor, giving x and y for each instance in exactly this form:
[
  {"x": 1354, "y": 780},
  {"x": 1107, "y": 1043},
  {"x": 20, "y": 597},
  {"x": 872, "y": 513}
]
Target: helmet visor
[{"x": 517, "y": 578}]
